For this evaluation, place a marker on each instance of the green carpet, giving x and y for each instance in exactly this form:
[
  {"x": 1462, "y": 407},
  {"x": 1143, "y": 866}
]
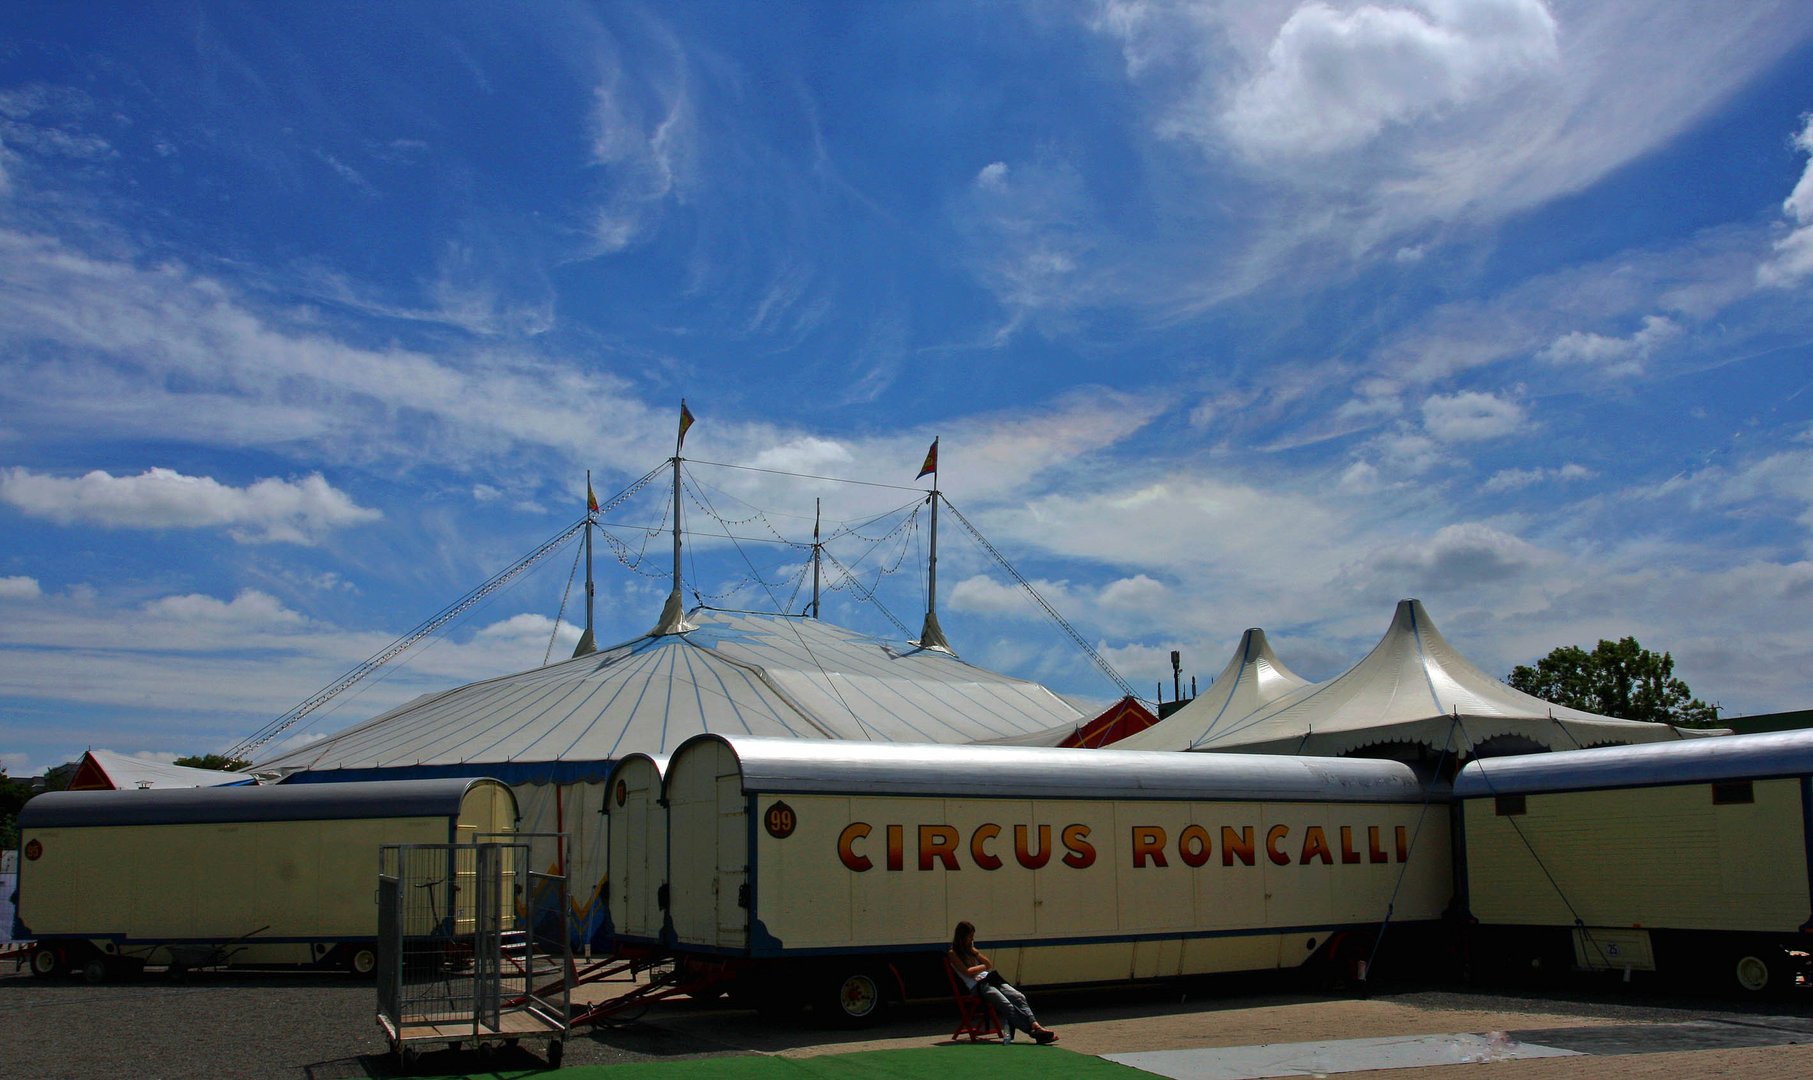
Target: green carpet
[{"x": 982, "y": 1061}]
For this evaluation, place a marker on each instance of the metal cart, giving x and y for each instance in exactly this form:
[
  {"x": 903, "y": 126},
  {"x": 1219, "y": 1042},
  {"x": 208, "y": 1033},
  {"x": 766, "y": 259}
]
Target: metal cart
[{"x": 472, "y": 948}]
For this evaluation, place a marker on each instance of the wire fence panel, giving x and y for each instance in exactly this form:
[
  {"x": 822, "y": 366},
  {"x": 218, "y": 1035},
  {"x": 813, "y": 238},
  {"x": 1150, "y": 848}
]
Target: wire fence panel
[{"x": 472, "y": 944}]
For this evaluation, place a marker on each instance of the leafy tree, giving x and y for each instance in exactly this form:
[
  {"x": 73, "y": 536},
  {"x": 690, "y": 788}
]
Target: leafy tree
[
  {"x": 13, "y": 794},
  {"x": 1618, "y": 678},
  {"x": 58, "y": 778},
  {"x": 212, "y": 761}
]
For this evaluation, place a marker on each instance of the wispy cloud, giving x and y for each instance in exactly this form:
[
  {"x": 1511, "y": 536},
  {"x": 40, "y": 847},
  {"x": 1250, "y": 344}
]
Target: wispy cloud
[
  {"x": 644, "y": 144},
  {"x": 1506, "y": 480},
  {"x": 1381, "y": 125}
]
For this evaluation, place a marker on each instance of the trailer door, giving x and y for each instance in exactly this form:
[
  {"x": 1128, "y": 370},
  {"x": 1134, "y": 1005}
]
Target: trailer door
[{"x": 733, "y": 863}]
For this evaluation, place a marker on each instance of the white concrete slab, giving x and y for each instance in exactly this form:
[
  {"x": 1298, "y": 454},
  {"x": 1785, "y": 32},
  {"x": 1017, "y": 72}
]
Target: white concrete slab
[{"x": 1330, "y": 1058}]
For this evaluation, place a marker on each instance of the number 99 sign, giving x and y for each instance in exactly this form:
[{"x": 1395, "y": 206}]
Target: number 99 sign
[{"x": 780, "y": 820}]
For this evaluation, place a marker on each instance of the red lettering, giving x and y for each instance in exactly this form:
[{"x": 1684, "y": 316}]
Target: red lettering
[
  {"x": 1315, "y": 845},
  {"x": 846, "y": 847},
  {"x": 1273, "y": 837},
  {"x": 937, "y": 842},
  {"x": 1374, "y": 853},
  {"x": 1403, "y": 844},
  {"x": 1236, "y": 843},
  {"x": 1193, "y": 846},
  {"x": 896, "y": 848},
  {"x": 1348, "y": 854},
  {"x": 1082, "y": 852},
  {"x": 1148, "y": 842},
  {"x": 1028, "y": 858},
  {"x": 979, "y": 853}
]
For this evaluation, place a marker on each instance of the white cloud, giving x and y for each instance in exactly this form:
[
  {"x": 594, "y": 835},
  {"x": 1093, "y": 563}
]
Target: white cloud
[
  {"x": 249, "y": 609},
  {"x": 269, "y": 510},
  {"x": 1614, "y": 356},
  {"x": 993, "y": 176},
  {"x": 1461, "y": 558},
  {"x": 529, "y": 628},
  {"x": 1333, "y": 80},
  {"x": 1518, "y": 479},
  {"x": 1136, "y": 596},
  {"x": 1401, "y": 452},
  {"x": 19, "y": 588},
  {"x": 1470, "y": 416},
  {"x": 1794, "y": 253}
]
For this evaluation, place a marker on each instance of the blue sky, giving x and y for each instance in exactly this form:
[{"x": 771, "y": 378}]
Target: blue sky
[{"x": 1227, "y": 314}]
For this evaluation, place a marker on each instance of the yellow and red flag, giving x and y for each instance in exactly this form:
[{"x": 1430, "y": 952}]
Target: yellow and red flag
[
  {"x": 591, "y": 500},
  {"x": 685, "y": 422},
  {"x": 931, "y": 460}
]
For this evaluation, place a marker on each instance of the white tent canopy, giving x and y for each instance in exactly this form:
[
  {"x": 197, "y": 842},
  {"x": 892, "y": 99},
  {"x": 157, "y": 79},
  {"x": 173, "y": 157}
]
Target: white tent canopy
[
  {"x": 734, "y": 674},
  {"x": 1254, "y": 677},
  {"x": 1413, "y": 690},
  {"x": 104, "y": 769}
]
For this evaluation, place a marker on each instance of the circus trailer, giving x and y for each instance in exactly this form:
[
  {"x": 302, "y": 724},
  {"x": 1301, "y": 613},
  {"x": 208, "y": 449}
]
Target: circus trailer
[
  {"x": 273, "y": 876},
  {"x": 835, "y": 872},
  {"x": 637, "y": 830},
  {"x": 1687, "y": 859}
]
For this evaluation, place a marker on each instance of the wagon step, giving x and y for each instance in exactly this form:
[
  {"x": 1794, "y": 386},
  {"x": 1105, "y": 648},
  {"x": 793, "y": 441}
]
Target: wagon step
[{"x": 671, "y": 983}]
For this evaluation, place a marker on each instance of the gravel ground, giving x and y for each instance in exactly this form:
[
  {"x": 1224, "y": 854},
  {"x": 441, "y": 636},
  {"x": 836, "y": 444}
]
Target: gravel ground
[{"x": 236, "y": 1024}]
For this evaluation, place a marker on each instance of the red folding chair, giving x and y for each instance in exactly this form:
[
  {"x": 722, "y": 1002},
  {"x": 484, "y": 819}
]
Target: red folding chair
[{"x": 975, "y": 1014}]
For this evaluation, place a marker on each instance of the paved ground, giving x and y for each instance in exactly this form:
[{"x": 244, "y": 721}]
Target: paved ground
[{"x": 323, "y": 1027}]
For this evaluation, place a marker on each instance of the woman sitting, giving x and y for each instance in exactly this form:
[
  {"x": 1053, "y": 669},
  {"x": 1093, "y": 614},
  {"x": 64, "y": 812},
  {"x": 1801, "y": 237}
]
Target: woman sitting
[{"x": 978, "y": 974}]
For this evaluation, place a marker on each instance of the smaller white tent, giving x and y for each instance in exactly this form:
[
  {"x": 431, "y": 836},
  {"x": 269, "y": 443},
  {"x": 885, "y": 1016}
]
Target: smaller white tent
[
  {"x": 1254, "y": 677},
  {"x": 104, "y": 770},
  {"x": 1414, "y": 697}
]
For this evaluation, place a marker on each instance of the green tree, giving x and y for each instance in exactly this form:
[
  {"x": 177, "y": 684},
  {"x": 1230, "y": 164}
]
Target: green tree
[
  {"x": 1618, "y": 678},
  {"x": 212, "y": 761},
  {"x": 13, "y": 794}
]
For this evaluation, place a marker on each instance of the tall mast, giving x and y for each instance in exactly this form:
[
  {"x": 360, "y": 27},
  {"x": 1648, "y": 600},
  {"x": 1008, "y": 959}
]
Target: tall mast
[
  {"x": 932, "y": 636},
  {"x": 588, "y": 641},
  {"x": 673, "y": 614},
  {"x": 818, "y": 507}
]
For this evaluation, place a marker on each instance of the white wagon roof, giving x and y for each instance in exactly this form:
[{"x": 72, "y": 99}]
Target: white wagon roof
[
  {"x": 1415, "y": 687},
  {"x": 736, "y": 673},
  {"x": 1253, "y": 677},
  {"x": 1776, "y": 754},
  {"x": 780, "y": 766}
]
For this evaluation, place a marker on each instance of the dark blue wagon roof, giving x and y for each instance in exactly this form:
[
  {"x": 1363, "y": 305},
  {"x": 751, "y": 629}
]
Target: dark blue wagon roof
[{"x": 280, "y": 802}]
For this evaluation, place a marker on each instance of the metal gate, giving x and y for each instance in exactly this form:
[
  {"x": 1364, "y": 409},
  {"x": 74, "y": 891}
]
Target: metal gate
[{"x": 472, "y": 946}]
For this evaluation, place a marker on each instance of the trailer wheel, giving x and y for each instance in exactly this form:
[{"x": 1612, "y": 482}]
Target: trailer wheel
[
  {"x": 1759, "y": 971},
  {"x": 556, "y": 1050},
  {"x": 95, "y": 971},
  {"x": 46, "y": 961},
  {"x": 361, "y": 961},
  {"x": 855, "y": 998}
]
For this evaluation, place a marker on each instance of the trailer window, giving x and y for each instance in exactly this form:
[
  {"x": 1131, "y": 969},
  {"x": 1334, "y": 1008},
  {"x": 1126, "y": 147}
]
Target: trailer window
[
  {"x": 1732, "y": 792},
  {"x": 1509, "y": 805}
]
